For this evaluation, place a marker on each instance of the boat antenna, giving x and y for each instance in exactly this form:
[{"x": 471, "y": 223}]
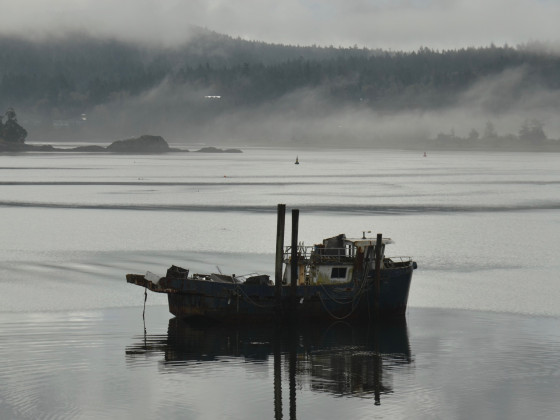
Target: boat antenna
[{"x": 364, "y": 233}]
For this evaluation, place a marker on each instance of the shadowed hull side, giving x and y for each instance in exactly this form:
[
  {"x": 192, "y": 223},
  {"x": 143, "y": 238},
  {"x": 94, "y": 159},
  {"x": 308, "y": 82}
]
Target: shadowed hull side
[{"x": 239, "y": 302}]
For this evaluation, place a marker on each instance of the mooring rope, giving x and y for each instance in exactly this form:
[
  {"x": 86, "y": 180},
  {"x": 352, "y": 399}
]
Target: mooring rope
[
  {"x": 144, "y": 311},
  {"x": 339, "y": 318},
  {"x": 355, "y": 298},
  {"x": 251, "y": 301},
  {"x": 145, "y": 298}
]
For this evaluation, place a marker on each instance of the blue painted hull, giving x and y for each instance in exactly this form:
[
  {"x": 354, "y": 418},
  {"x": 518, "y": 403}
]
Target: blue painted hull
[{"x": 239, "y": 302}]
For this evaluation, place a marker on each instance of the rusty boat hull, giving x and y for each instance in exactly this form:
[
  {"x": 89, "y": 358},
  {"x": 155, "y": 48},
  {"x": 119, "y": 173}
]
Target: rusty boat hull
[{"x": 228, "y": 301}]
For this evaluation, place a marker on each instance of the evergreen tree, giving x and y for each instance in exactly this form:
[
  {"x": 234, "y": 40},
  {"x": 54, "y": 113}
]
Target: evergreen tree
[
  {"x": 532, "y": 130},
  {"x": 11, "y": 130}
]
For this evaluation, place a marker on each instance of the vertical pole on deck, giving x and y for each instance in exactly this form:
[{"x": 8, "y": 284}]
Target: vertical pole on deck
[
  {"x": 280, "y": 225},
  {"x": 294, "y": 259},
  {"x": 378, "y": 257}
]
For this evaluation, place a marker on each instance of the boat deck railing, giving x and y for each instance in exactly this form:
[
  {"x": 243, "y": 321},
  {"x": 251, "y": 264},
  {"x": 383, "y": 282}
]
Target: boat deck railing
[
  {"x": 320, "y": 255},
  {"x": 316, "y": 255}
]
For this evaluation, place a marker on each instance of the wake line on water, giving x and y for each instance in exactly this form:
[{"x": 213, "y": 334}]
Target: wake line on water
[
  {"x": 44, "y": 168},
  {"x": 366, "y": 180},
  {"x": 151, "y": 183},
  {"x": 307, "y": 208}
]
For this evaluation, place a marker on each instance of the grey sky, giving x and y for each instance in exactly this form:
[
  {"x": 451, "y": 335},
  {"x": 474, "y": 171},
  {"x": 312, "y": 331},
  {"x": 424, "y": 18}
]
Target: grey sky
[{"x": 386, "y": 24}]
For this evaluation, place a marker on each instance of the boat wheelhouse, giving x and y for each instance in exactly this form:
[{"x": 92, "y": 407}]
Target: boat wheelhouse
[{"x": 334, "y": 260}]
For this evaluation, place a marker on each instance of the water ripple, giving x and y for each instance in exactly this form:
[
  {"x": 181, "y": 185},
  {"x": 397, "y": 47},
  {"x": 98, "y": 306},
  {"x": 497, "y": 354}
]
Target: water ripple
[{"x": 308, "y": 208}]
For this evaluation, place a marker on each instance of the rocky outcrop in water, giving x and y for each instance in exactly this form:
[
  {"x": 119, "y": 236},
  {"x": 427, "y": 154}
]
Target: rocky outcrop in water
[
  {"x": 142, "y": 144},
  {"x": 145, "y": 144},
  {"x": 9, "y": 147}
]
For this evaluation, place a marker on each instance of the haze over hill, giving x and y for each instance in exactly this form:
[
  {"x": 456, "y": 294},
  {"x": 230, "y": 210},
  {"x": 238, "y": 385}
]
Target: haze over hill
[
  {"x": 220, "y": 89},
  {"x": 397, "y": 25}
]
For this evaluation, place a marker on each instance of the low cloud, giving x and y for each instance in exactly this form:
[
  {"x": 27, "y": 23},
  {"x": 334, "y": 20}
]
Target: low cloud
[
  {"x": 397, "y": 25},
  {"x": 310, "y": 117}
]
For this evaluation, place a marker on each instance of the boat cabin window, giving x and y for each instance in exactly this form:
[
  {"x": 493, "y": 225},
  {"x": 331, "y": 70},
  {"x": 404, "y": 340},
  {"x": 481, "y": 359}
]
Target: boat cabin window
[{"x": 338, "y": 273}]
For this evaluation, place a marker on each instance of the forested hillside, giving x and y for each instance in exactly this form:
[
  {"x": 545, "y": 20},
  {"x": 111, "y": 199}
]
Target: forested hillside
[
  {"x": 82, "y": 71},
  {"x": 107, "y": 84}
]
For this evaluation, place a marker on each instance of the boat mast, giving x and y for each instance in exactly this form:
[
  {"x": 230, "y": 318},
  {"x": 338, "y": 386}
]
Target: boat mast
[
  {"x": 280, "y": 225},
  {"x": 377, "y": 272},
  {"x": 294, "y": 260}
]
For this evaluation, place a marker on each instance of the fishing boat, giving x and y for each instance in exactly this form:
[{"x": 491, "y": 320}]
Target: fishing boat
[{"x": 340, "y": 278}]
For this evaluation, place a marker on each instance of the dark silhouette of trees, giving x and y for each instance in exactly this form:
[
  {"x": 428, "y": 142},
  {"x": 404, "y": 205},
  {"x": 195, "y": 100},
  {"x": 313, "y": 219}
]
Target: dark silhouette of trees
[
  {"x": 81, "y": 72},
  {"x": 531, "y": 134},
  {"x": 11, "y": 131},
  {"x": 532, "y": 130},
  {"x": 489, "y": 131}
]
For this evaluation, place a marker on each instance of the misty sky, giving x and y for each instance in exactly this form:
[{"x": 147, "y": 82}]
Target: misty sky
[{"x": 386, "y": 24}]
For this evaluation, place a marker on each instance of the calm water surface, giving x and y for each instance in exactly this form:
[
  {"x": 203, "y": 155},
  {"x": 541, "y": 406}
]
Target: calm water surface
[
  {"x": 481, "y": 338},
  {"x": 438, "y": 364}
]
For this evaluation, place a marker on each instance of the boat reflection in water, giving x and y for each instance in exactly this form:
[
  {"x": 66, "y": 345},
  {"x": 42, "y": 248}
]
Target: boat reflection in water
[{"x": 337, "y": 358}]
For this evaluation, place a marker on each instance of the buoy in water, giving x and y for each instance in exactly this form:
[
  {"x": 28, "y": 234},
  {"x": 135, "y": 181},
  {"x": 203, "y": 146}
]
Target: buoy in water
[{"x": 297, "y": 160}]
